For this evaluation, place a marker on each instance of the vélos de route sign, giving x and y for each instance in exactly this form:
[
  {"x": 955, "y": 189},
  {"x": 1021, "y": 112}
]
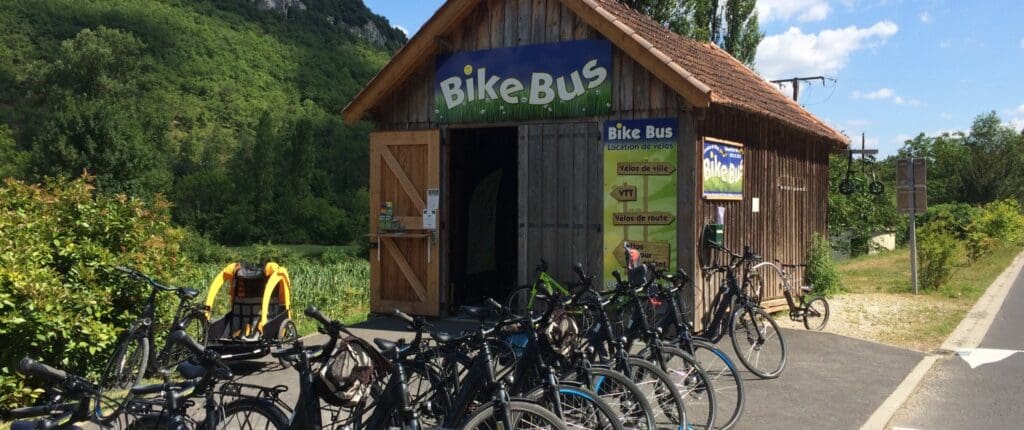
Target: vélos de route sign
[{"x": 559, "y": 80}]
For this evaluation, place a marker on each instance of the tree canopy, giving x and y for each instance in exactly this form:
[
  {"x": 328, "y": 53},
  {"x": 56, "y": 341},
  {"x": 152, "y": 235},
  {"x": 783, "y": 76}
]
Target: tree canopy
[{"x": 730, "y": 24}]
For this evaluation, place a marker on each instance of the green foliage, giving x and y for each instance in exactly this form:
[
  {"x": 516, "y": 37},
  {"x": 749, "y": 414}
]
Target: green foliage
[
  {"x": 730, "y": 24},
  {"x": 1002, "y": 220},
  {"x": 60, "y": 299},
  {"x": 173, "y": 98},
  {"x": 937, "y": 249},
  {"x": 822, "y": 271},
  {"x": 335, "y": 255}
]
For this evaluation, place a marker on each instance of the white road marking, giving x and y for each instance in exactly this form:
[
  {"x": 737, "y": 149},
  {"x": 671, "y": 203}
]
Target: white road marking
[{"x": 980, "y": 356}]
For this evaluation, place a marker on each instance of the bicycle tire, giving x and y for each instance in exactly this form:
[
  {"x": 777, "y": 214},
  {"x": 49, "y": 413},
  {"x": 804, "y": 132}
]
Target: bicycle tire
[
  {"x": 726, "y": 380},
  {"x": 275, "y": 418},
  {"x": 173, "y": 354},
  {"x": 745, "y": 316},
  {"x": 115, "y": 382},
  {"x": 694, "y": 385},
  {"x": 519, "y": 301},
  {"x": 819, "y": 312},
  {"x": 659, "y": 389},
  {"x": 592, "y": 412},
  {"x": 525, "y": 415},
  {"x": 624, "y": 397}
]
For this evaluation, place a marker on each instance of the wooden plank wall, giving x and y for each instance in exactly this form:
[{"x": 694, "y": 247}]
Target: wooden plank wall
[
  {"x": 560, "y": 161},
  {"x": 788, "y": 171}
]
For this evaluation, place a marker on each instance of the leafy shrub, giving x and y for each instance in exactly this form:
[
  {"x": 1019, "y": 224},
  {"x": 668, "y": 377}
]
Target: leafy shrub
[
  {"x": 954, "y": 218},
  {"x": 60, "y": 299},
  {"x": 937, "y": 248},
  {"x": 335, "y": 255},
  {"x": 1002, "y": 220},
  {"x": 261, "y": 253},
  {"x": 201, "y": 249},
  {"x": 822, "y": 271}
]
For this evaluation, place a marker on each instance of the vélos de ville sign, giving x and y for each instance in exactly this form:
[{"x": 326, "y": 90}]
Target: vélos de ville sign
[{"x": 560, "y": 80}]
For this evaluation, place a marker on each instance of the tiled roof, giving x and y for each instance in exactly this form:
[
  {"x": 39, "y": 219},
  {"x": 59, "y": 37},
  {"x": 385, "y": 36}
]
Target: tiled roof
[{"x": 732, "y": 83}]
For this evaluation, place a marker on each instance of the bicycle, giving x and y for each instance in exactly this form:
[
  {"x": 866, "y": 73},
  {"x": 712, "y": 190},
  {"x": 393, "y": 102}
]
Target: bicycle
[
  {"x": 133, "y": 356},
  {"x": 170, "y": 411},
  {"x": 67, "y": 400},
  {"x": 725, "y": 377},
  {"x": 814, "y": 313},
  {"x": 739, "y": 315},
  {"x": 523, "y": 300}
]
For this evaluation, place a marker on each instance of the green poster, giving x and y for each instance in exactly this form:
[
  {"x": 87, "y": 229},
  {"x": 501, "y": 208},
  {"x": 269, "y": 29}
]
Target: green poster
[{"x": 640, "y": 192}]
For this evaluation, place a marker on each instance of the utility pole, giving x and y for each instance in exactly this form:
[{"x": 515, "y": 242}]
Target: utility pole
[{"x": 795, "y": 82}]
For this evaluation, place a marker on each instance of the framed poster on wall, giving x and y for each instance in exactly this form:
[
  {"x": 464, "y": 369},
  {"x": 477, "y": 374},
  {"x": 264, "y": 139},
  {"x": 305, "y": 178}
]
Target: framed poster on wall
[{"x": 722, "y": 169}]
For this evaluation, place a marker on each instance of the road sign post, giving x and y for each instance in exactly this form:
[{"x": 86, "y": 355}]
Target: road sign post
[{"x": 912, "y": 198}]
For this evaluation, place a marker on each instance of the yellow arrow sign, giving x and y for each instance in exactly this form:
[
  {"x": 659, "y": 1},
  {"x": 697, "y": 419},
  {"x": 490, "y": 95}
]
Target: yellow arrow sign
[
  {"x": 643, "y": 218},
  {"x": 624, "y": 193},
  {"x": 645, "y": 168}
]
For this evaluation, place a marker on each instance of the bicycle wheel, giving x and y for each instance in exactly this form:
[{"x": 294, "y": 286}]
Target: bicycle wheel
[
  {"x": 173, "y": 354},
  {"x": 816, "y": 314},
  {"x": 523, "y": 415},
  {"x": 581, "y": 408},
  {"x": 624, "y": 397},
  {"x": 725, "y": 379},
  {"x": 124, "y": 370},
  {"x": 661, "y": 393},
  {"x": 693, "y": 384},
  {"x": 523, "y": 301},
  {"x": 758, "y": 342},
  {"x": 252, "y": 414}
]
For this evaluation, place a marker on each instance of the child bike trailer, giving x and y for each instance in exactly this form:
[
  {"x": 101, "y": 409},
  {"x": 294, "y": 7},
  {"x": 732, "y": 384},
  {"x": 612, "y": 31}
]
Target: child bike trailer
[{"x": 260, "y": 315}]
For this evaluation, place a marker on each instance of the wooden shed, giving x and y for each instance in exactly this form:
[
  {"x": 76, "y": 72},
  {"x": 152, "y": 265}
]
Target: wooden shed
[{"x": 511, "y": 131}]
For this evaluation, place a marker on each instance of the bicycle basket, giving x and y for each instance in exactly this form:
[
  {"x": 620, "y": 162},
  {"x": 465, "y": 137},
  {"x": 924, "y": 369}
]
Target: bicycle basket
[{"x": 346, "y": 377}]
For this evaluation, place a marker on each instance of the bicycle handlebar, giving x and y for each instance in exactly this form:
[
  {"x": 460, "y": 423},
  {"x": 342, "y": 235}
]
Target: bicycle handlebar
[
  {"x": 139, "y": 276},
  {"x": 32, "y": 367}
]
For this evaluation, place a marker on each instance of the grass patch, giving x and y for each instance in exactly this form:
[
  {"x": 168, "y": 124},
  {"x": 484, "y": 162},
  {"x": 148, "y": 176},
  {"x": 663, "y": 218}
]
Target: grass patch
[{"x": 879, "y": 304}]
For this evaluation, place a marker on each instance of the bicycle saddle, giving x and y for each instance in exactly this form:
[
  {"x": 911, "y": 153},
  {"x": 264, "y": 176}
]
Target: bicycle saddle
[
  {"x": 188, "y": 293},
  {"x": 441, "y": 336},
  {"x": 806, "y": 288},
  {"x": 638, "y": 275},
  {"x": 190, "y": 370},
  {"x": 477, "y": 312},
  {"x": 384, "y": 345}
]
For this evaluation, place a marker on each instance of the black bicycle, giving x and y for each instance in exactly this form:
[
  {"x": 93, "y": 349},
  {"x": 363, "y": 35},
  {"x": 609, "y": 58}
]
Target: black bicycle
[
  {"x": 66, "y": 403},
  {"x": 224, "y": 408},
  {"x": 754, "y": 333},
  {"x": 134, "y": 355},
  {"x": 674, "y": 328},
  {"x": 634, "y": 295}
]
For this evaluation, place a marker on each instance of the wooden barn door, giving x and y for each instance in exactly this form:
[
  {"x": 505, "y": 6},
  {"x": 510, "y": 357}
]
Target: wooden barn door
[{"x": 404, "y": 265}]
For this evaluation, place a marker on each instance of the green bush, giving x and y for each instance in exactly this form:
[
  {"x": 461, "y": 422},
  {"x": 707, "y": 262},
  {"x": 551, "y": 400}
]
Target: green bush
[
  {"x": 335, "y": 255},
  {"x": 201, "y": 249},
  {"x": 1002, "y": 220},
  {"x": 822, "y": 271},
  {"x": 60, "y": 299},
  {"x": 937, "y": 249}
]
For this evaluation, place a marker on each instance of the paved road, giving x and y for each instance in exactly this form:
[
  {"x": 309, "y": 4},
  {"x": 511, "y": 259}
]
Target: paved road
[
  {"x": 953, "y": 395},
  {"x": 830, "y": 382}
]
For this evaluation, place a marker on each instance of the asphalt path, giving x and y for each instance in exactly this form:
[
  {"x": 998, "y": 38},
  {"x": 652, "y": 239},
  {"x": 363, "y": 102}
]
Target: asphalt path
[{"x": 953, "y": 395}]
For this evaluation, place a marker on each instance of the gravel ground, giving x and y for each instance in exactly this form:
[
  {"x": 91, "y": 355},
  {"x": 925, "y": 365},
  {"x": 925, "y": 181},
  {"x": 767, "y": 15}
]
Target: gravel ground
[{"x": 885, "y": 318}]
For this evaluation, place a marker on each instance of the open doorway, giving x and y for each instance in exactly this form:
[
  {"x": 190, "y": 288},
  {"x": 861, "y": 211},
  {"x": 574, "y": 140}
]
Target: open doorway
[{"x": 483, "y": 243}]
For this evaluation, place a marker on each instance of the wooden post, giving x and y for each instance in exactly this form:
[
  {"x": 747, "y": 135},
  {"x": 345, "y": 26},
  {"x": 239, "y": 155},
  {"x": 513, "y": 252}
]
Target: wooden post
[{"x": 913, "y": 228}]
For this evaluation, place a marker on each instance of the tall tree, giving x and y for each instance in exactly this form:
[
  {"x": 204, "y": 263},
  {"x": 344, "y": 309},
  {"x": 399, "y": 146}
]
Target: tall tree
[{"x": 730, "y": 24}]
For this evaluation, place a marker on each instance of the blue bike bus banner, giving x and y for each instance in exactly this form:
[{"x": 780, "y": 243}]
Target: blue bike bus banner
[
  {"x": 723, "y": 170},
  {"x": 559, "y": 80}
]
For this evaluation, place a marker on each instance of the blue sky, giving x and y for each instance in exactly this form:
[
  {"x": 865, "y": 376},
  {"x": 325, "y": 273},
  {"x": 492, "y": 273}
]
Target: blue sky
[{"x": 902, "y": 67}]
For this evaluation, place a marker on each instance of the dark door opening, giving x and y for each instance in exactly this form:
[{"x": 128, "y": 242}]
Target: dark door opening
[{"x": 483, "y": 244}]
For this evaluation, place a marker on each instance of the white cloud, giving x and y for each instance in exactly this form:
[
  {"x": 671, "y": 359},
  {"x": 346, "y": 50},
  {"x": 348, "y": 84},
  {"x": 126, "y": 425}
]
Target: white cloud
[
  {"x": 900, "y": 139},
  {"x": 795, "y": 53},
  {"x": 925, "y": 17},
  {"x": 783, "y": 10},
  {"x": 403, "y": 30},
  {"x": 886, "y": 94},
  {"x": 1017, "y": 118},
  {"x": 881, "y": 94}
]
